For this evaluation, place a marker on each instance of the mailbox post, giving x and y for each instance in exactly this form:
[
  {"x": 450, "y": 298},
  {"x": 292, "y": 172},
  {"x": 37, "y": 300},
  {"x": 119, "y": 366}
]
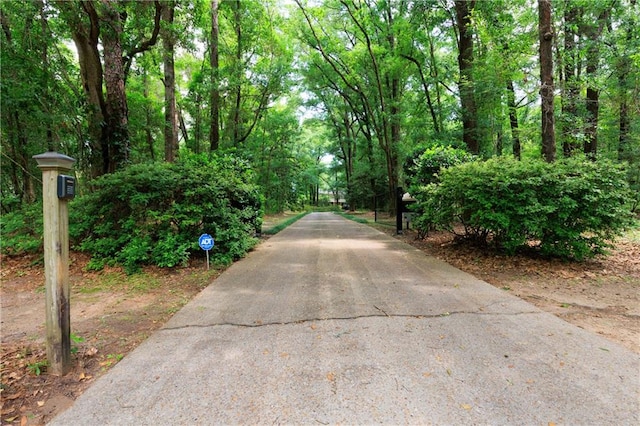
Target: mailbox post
[
  {"x": 399, "y": 207},
  {"x": 57, "y": 189}
]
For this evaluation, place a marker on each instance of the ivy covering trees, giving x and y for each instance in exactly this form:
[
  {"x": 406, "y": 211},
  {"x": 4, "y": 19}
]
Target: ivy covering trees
[{"x": 315, "y": 96}]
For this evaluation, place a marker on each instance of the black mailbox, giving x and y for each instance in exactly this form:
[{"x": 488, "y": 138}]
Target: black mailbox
[{"x": 66, "y": 187}]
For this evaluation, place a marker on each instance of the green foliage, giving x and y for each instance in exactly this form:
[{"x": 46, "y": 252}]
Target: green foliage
[
  {"x": 153, "y": 213},
  {"x": 632, "y": 161},
  {"x": 423, "y": 167},
  {"x": 21, "y": 230},
  {"x": 570, "y": 209},
  {"x": 277, "y": 160},
  {"x": 40, "y": 109},
  {"x": 36, "y": 368},
  {"x": 77, "y": 340}
]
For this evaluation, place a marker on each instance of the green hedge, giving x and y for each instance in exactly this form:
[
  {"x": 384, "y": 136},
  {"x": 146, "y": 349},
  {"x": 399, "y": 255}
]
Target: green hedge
[
  {"x": 21, "y": 230},
  {"x": 154, "y": 213},
  {"x": 424, "y": 166},
  {"x": 569, "y": 209}
]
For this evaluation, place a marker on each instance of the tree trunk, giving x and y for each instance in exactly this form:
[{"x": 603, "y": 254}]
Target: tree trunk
[
  {"x": 593, "y": 32},
  {"x": 116, "y": 148},
  {"x": 147, "y": 115},
  {"x": 214, "y": 134},
  {"x": 183, "y": 126},
  {"x": 513, "y": 119},
  {"x": 570, "y": 88},
  {"x": 466, "y": 84},
  {"x": 85, "y": 38},
  {"x": 499, "y": 139},
  {"x": 427, "y": 94},
  {"x": 170, "y": 111},
  {"x": 107, "y": 116},
  {"x": 591, "y": 125},
  {"x": 546, "y": 80},
  {"x": 198, "y": 124},
  {"x": 47, "y": 97},
  {"x": 435, "y": 76},
  {"x": 624, "y": 68},
  {"x": 347, "y": 146},
  {"x": 21, "y": 157},
  {"x": 236, "y": 122},
  {"x": 12, "y": 138}
]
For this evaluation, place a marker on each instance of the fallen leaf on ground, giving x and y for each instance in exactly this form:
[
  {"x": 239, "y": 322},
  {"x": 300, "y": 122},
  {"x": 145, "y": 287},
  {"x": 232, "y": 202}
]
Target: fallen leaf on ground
[{"x": 15, "y": 396}]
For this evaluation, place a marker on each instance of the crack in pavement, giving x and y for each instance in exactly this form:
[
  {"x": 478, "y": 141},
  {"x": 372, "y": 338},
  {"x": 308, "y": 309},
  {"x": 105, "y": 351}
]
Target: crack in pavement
[{"x": 308, "y": 320}]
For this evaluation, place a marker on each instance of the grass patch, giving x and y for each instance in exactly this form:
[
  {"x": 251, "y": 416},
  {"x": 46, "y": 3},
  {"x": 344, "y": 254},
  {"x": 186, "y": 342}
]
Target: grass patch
[
  {"x": 119, "y": 281},
  {"x": 142, "y": 283},
  {"x": 384, "y": 223},
  {"x": 282, "y": 225},
  {"x": 352, "y": 217},
  {"x": 632, "y": 235}
]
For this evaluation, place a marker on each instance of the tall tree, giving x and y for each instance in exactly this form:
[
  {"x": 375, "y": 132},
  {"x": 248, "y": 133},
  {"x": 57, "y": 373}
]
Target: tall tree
[
  {"x": 502, "y": 58},
  {"x": 464, "y": 9},
  {"x": 513, "y": 120},
  {"x": 148, "y": 116},
  {"x": 94, "y": 23},
  {"x": 254, "y": 63},
  {"x": 115, "y": 151},
  {"x": 623, "y": 65},
  {"x": 417, "y": 48},
  {"x": 238, "y": 71},
  {"x": 38, "y": 97},
  {"x": 170, "y": 110},
  {"x": 593, "y": 32},
  {"x": 570, "y": 84},
  {"x": 546, "y": 34},
  {"x": 367, "y": 75},
  {"x": 214, "y": 134}
]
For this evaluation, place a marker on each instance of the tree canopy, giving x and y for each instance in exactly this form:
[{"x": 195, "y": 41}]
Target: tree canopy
[{"x": 315, "y": 96}]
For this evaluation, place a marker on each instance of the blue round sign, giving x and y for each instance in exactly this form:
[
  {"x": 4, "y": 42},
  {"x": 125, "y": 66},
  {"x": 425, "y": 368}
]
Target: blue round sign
[{"x": 206, "y": 242}]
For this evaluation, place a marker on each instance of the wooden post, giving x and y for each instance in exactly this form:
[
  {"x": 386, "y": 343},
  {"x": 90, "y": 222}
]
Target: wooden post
[{"x": 56, "y": 262}]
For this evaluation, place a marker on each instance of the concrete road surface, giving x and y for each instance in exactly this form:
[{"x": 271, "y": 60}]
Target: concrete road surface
[{"x": 333, "y": 322}]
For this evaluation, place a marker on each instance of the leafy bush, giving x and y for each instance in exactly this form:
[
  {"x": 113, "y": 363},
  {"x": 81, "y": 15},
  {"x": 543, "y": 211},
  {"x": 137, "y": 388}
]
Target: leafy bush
[
  {"x": 423, "y": 167},
  {"x": 568, "y": 209},
  {"x": 153, "y": 213},
  {"x": 21, "y": 230},
  {"x": 633, "y": 176}
]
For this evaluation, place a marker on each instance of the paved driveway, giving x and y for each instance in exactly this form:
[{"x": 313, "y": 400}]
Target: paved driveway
[{"x": 332, "y": 322}]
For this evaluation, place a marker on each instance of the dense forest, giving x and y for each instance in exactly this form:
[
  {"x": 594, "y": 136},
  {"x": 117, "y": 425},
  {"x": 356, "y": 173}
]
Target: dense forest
[{"x": 319, "y": 100}]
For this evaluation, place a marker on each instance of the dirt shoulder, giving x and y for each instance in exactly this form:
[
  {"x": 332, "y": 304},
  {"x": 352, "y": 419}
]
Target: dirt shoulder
[{"x": 112, "y": 313}]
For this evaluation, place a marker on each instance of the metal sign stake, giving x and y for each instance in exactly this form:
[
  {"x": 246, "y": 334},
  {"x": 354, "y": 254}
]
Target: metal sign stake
[{"x": 206, "y": 243}]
